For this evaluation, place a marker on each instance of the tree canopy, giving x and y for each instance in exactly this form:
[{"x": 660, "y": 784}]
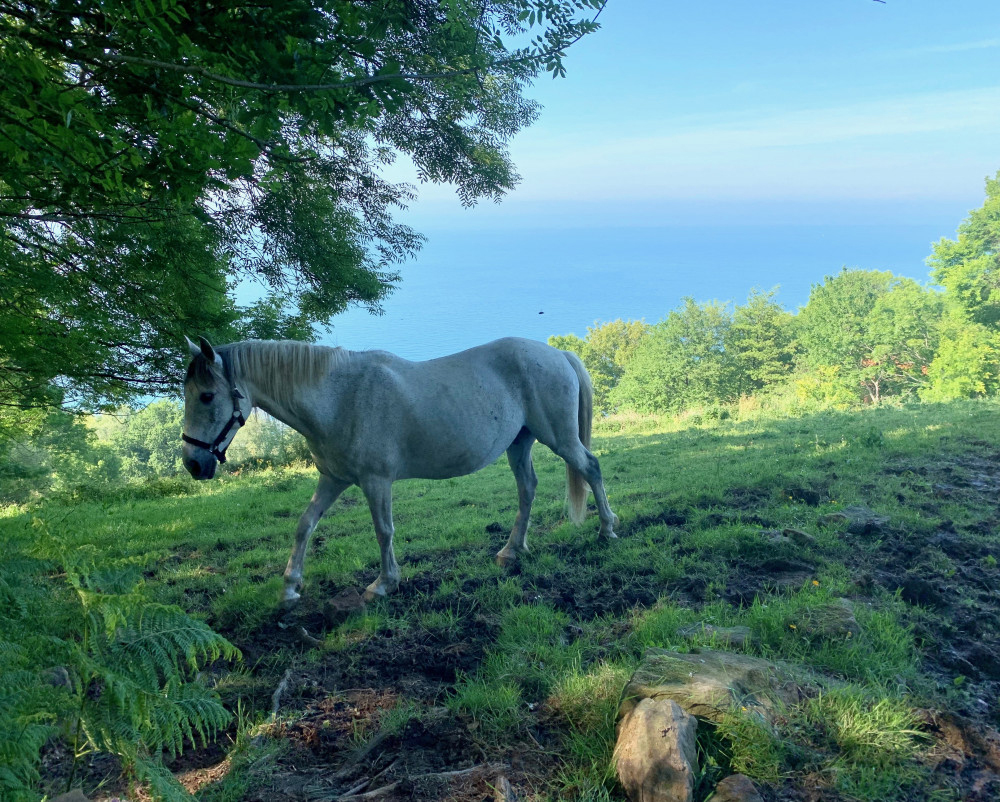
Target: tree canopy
[
  {"x": 681, "y": 362},
  {"x": 155, "y": 154},
  {"x": 969, "y": 266},
  {"x": 759, "y": 344}
]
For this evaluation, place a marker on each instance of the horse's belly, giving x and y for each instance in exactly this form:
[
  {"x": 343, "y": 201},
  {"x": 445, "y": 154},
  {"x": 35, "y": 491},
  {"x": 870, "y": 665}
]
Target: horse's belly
[{"x": 446, "y": 455}]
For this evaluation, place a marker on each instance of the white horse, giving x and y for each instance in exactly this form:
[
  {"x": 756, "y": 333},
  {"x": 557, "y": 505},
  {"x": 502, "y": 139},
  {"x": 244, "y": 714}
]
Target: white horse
[{"x": 371, "y": 418}]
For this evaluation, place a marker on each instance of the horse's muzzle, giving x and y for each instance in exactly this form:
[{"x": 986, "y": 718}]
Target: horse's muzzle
[{"x": 200, "y": 464}]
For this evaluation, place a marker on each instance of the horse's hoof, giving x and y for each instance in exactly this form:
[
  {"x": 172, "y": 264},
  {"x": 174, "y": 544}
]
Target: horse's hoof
[
  {"x": 609, "y": 535},
  {"x": 508, "y": 556},
  {"x": 377, "y": 590},
  {"x": 290, "y": 599}
]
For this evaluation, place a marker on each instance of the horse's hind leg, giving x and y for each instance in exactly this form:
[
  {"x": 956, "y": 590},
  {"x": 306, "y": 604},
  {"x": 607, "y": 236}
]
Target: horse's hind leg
[
  {"x": 583, "y": 462},
  {"x": 326, "y": 493},
  {"x": 379, "y": 495},
  {"x": 519, "y": 457}
]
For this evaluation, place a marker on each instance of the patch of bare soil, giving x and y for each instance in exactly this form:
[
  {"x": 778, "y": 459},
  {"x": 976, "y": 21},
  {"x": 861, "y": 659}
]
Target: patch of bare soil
[
  {"x": 337, "y": 751},
  {"x": 951, "y": 572},
  {"x": 585, "y": 595},
  {"x": 334, "y": 708},
  {"x": 948, "y": 573},
  {"x": 967, "y": 753}
]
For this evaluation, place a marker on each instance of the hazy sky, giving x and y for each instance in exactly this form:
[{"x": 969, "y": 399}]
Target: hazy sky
[{"x": 759, "y": 111}]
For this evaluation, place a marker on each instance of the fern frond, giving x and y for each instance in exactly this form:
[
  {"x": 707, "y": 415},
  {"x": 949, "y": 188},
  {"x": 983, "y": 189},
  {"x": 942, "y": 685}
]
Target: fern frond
[
  {"x": 130, "y": 664},
  {"x": 29, "y": 709}
]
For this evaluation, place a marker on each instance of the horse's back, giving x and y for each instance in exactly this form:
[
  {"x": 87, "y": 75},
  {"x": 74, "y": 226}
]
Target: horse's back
[{"x": 453, "y": 415}]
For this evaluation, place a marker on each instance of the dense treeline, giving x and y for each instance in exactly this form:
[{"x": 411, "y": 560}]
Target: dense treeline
[{"x": 864, "y": 336}]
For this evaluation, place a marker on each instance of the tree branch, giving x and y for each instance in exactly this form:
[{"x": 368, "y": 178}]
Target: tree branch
[{"x": 193, "y": 69}]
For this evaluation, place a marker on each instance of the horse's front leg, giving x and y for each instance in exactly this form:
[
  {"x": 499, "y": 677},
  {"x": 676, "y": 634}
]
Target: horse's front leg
[
  {"x": 379, "y": 495},
  {"x": 326, "y": 493}
]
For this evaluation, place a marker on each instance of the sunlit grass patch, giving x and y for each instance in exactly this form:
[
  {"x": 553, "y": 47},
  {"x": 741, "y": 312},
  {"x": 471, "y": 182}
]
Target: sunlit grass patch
[
  {"x": 869, "y": 729},
  {"x": 497, "y": 708},
  {"x": 660, "y": 626},
  {"x": 532, "y": 650},
  {"x": 499, "y": 595},
  {"x": 895, "y": 783},
  {"x": 804, "y": 627},
  {"x": 244, "y": 605},
  {"x": 445, "y": 622},
  {"x": 587, "y": 701},
  {"x": 742, "y": 744},
  {"x": 357, "y": 628}
]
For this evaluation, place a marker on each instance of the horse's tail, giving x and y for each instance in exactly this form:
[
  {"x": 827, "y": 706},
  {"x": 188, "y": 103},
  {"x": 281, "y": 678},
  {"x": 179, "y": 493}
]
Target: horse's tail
[{"x": 576, "y": 486}]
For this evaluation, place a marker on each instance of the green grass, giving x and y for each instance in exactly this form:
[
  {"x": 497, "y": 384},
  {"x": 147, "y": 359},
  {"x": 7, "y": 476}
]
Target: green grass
[{"x": 559, "y": 634}]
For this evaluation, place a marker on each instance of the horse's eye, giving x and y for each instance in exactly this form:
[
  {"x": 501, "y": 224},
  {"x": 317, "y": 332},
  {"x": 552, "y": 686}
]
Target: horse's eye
[{"x": 206, "y": 398}]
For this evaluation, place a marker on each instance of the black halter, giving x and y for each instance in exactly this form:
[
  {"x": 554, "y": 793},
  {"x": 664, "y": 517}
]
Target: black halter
[{"x": 237, "y": 418}]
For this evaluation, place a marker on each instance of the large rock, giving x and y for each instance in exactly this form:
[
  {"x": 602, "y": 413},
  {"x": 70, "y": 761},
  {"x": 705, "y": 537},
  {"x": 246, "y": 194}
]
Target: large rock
[
  {"x": 710, "y": 683},
  {"x": 656, "y": 756}
]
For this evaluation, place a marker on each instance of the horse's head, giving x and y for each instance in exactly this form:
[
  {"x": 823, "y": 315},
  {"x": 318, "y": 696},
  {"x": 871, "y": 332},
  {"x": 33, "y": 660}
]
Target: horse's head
[{"x": 213, "y": 411}]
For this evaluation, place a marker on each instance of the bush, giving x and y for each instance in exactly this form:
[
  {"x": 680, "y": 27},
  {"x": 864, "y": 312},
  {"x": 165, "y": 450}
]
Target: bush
[{"x": 266, "y": 443}]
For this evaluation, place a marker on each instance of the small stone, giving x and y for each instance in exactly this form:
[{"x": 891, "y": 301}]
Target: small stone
[
  {"x": 799, "y": 537},
  {"x": 58, "y": 677},
  {"x": 502, "y": 790},
  {"x": 833, "y": 518},
  {"x": 736, "y": 788},
  {"x": 834, "y": 621},
  {"x": 656, "y": 755},
  {"x": 337, "y": 609},
  {"x": 784, "y": 581},
  {"x": 774, "y": 536},
  {"x": 862, "y": 521}
]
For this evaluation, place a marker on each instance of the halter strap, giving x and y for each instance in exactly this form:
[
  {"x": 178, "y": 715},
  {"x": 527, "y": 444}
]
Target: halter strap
[{"x": 237, "y": 418}]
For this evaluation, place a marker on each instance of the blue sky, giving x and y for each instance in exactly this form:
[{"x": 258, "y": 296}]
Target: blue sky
[{"x": 759, "y": 111}]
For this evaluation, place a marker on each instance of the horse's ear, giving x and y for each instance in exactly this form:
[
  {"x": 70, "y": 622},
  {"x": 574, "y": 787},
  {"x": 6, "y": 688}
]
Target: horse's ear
[
  {"x": 194, "y": 349},
  {"x": 207, "y": 351}
]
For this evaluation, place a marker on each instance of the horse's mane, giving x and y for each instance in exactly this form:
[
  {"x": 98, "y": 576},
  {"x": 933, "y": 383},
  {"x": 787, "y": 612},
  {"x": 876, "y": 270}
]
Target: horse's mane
[{"x": 282, "y": 367}]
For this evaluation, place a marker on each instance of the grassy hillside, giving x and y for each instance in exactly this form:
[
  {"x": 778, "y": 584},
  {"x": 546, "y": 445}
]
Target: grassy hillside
[{"x": 470, "y": 664}]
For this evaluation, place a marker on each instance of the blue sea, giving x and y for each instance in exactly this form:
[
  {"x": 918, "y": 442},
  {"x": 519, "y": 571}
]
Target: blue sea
[{"x": 468, "y": 287}]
